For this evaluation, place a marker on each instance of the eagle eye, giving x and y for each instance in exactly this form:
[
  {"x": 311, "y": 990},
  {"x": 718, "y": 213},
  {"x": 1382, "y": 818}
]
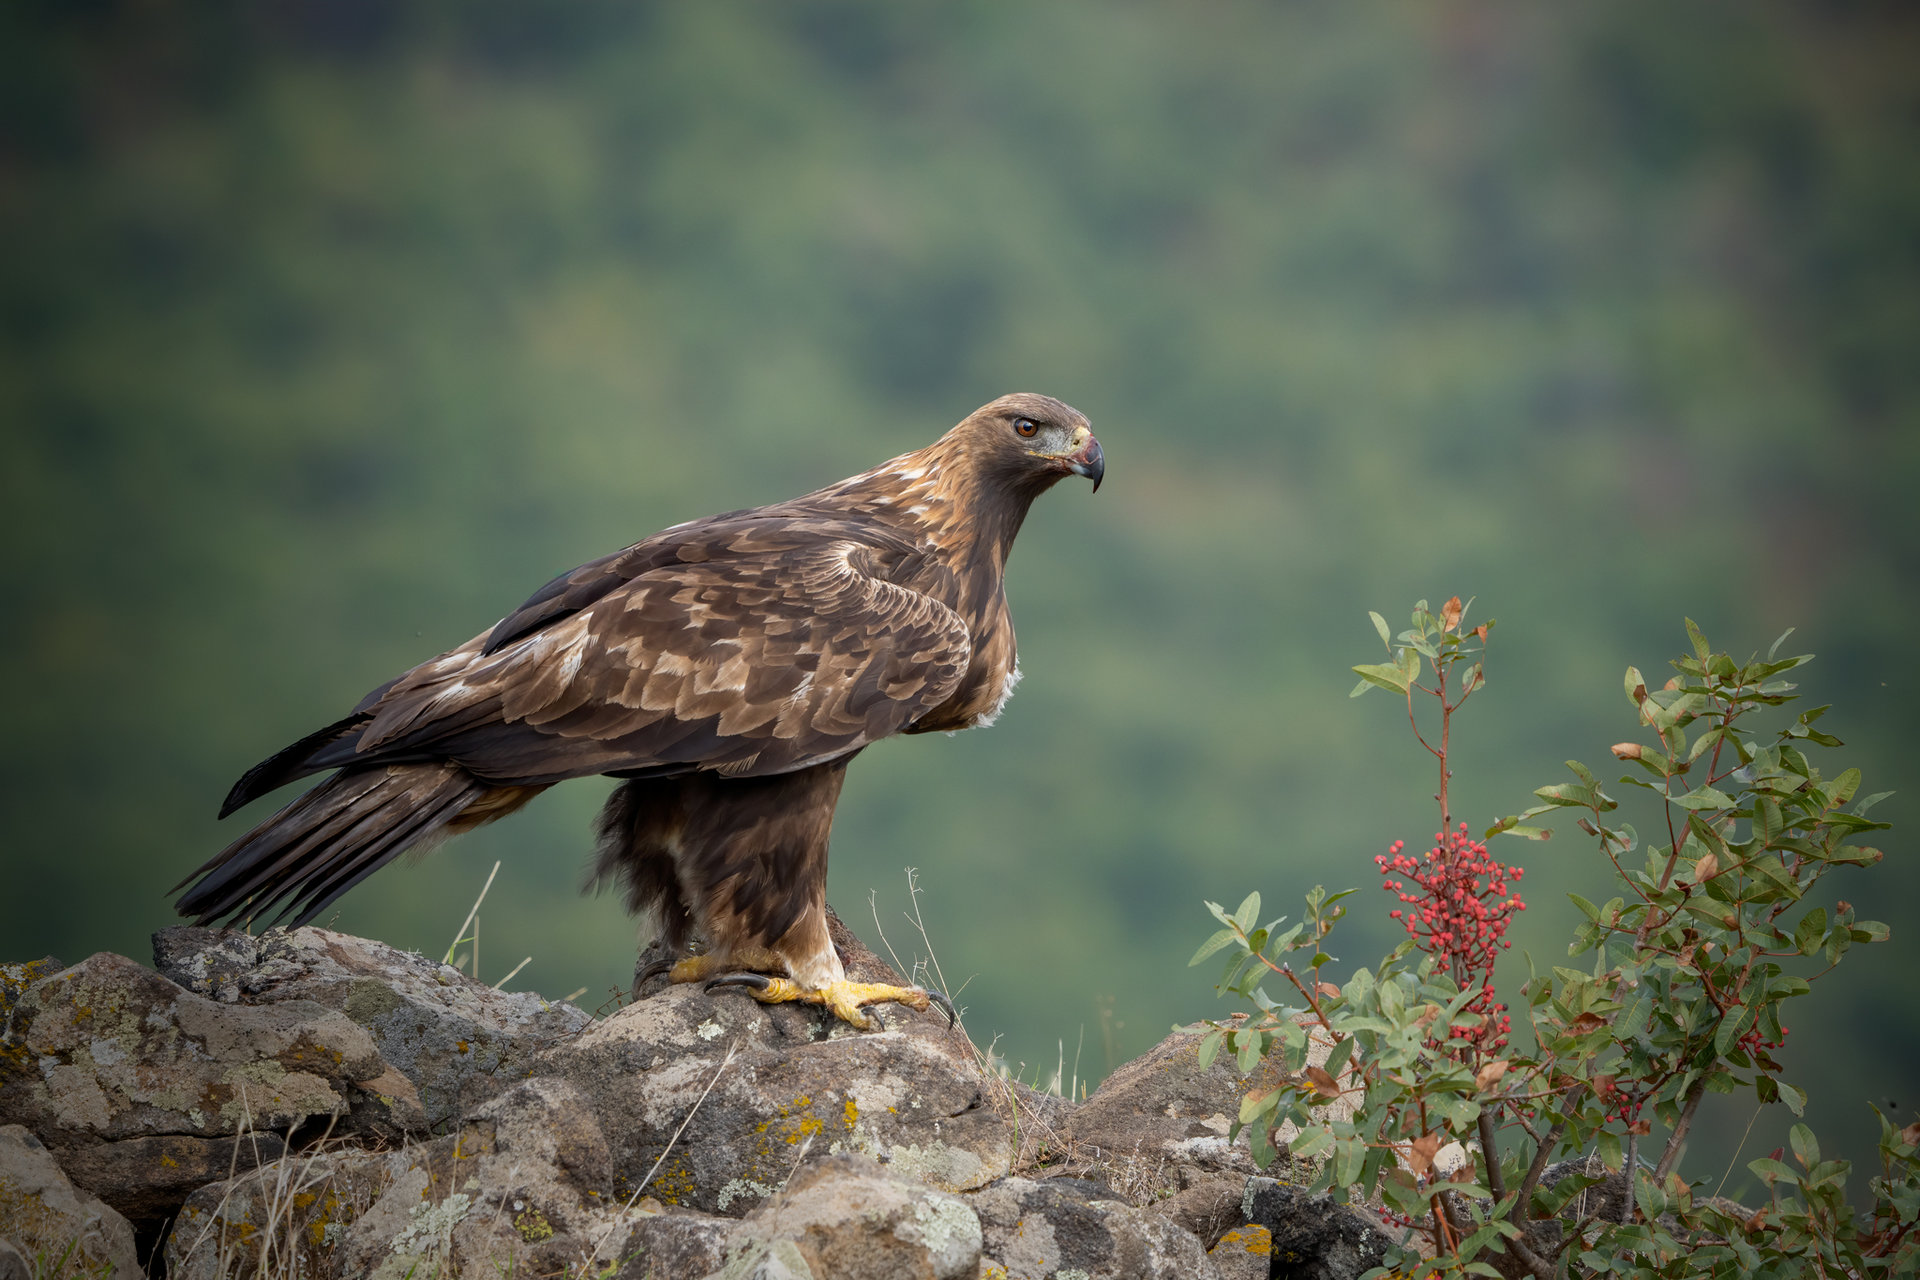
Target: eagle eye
[{"x": 1026, "y": 426}]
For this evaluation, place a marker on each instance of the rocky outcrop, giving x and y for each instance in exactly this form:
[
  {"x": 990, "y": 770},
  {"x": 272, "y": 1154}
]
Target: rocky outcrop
[
  {"x": 1313, "y": 1237},
  {"x": 47, "y": 1226},
  {"x": 144, "y": 1090},
  {"x": 520, "y": 1183},
  {"x": 314, "y": 1104},
  {"x": 1063, "y": 1226},
  {"x": 458, "y": 1040}
]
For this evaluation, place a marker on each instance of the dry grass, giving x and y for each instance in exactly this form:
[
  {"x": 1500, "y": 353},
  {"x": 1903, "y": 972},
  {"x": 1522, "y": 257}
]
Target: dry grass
[{"x": 1039, "y": 1137}]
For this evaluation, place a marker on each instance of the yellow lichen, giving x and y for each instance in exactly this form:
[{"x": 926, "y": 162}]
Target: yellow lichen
[
  {"x": 533, "y": 1226},
  {"x": 1253, "y": 1238}
]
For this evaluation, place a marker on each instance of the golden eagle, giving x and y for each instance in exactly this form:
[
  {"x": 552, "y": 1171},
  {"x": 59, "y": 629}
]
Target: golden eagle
[{"x": 728, "y": 669}]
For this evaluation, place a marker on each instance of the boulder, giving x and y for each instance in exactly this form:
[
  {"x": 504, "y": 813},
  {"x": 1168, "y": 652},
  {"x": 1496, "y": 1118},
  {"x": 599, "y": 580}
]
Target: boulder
[
  {"x": 846, "y": 1218},
  {"x": 458, "y": 1040},
  {"x": 1244, "y": 1253},
  {"x": 147, "y": 1179},
  {"x": 108, "y": 1050},
  {"x": 1313, "y": 1237},
  {"x": 1162, "y": 1114},
  {"x": 51, "y": 1228},
  {"x": 760, "y": 1087},
  {"x": 673, "y": 1244},
  {"x": 1061, "y": 1227},
  {"x": 519, "y": 1186}
]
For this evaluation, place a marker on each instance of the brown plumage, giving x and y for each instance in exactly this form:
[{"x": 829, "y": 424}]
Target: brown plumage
[{"x": 728, "y": 668}]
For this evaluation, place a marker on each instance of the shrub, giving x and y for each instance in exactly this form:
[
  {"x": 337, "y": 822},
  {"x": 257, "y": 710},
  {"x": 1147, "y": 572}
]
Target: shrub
[{"x": 1706, "y": 939}]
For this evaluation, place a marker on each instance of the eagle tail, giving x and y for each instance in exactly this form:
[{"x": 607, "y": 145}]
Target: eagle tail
[
  {"x": 287, "y": 764},
  {"x": 330, "y": 839}
]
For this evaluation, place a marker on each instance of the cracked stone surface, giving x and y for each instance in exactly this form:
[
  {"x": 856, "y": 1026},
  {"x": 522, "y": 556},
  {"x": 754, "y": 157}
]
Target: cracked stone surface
[
  {"x": 1062, "y": 1227},
  {"x": 42, "y": 1215},
  {"x": 459, "y": 1041},
  {"x": 800, "y": 1083},
  {"x": 108, "y": 1050}
]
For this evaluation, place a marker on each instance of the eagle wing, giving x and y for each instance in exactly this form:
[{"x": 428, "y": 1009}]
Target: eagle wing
[{"x": 778, "y": 655}]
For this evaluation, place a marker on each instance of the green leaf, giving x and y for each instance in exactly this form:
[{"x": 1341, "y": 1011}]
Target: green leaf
[
  {"x": 1806, "y": 1147},
  {"x": 1249, "y": 911},
  {"x": 1380, "y": 625},
  {"x": 1211, "y": 945},
  {"x": 1209, "y": 1047},
  {"x": 1811, "y": 931},
  {"x": 1702, "y": 797},
  {"x": 1636, "y": 686},
  {"x": 1310, "y": 1143},
  {"x": 1775, "y": 647},
  {"x": 1384, "y": 675},
  {"x": 1872, "y": 800},
  {"x": 1794, "y": 1097},
  {"x": 1607, "y": 1143},
  {"x": 1731, "y": 1025},
  {"x": 1566, "y": 794},
  {"x": 1701, "y": 649},
  {"x": 1347, "y": 1158}
]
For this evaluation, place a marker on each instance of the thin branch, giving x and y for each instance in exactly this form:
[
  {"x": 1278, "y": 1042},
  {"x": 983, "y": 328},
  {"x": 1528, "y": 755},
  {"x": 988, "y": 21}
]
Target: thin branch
[{"x": 1695, "y": 1093}]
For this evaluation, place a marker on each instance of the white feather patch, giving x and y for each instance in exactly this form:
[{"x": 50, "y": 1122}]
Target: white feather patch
[{"x": 986, "y": 718}]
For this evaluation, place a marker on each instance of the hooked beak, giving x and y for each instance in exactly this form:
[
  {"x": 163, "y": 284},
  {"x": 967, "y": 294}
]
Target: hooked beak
[{"x": 1087, "y": 460}]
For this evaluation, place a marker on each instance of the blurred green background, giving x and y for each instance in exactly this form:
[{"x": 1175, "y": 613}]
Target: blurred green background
[{"x": 329, "y": 329}]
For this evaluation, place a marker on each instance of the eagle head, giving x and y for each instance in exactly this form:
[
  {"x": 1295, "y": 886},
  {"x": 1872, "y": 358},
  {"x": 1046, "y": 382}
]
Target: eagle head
[{"x": 1031, "y": 441}]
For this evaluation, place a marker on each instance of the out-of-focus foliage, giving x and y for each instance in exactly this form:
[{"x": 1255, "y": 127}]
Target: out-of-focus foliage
[{"x": 328, "y": 330}]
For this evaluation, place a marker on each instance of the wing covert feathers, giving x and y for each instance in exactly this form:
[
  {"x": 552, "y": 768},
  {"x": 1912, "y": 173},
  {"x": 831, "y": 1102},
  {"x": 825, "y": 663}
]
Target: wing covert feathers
[{"x": 749, "y": 665}]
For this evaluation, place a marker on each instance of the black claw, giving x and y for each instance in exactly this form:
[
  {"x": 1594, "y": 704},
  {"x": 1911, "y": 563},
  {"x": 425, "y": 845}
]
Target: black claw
[
  {"x": 658, "y": 969},
  {"x": 874, "y": 1021},
  {"x": 758, "y": 981},
  {"x": 941, "y": 1000}
]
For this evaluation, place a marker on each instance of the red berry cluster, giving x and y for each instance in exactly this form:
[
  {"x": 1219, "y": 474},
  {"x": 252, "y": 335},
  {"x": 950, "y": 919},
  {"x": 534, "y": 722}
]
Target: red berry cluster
[
  {"x": 1754, "y": 1044},
  {"x": 1462, "y": 903},
  {"x": 1621, "y": 1104}
]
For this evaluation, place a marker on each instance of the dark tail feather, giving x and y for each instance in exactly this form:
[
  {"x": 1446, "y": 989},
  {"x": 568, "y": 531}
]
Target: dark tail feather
[
  {"x": 285, "y": 765},
  {"x": 327, "y": 841}
]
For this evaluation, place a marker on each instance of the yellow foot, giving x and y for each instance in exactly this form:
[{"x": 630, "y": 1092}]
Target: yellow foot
[{"x": 846, "y": 1000}]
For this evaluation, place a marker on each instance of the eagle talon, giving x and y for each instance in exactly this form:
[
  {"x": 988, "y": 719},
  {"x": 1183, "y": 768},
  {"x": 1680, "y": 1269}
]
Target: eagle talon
[
  {"x": 759, "y": 982},
  {"x": 940, "y": 998}
]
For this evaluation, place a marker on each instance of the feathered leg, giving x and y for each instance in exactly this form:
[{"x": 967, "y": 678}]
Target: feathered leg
[{"x": 744, "y": 862}]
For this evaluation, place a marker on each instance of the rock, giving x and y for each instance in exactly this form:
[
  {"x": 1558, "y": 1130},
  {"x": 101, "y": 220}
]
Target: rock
[
  {"x": 459, "y": 1041},
  {"x": 147, "y": 1179},
  {"x": 17, "y": 977},
  {"x": 108, "y": 1050},
  {"x": 289, "y": 1217},
  {"x": 1208, "y": 1204},
  {"x": 520, "y": 1187},
  {"x": 52, "y": 1228},
  {"x": 1161, "y": 1113},
  {"x": 845, "y": 1218},
  {"x": 1065, "y": 1227},
  {"x": 798, "y": 1081},
  {"x": 1313, "y": 1237},
  {"x": 1244, "y": 1253},
  {"x": 674, "y": 1245}
]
